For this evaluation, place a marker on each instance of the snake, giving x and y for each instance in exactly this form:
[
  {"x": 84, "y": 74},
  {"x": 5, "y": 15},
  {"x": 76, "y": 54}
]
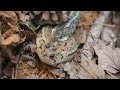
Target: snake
[{"x": 65, "y": 30}]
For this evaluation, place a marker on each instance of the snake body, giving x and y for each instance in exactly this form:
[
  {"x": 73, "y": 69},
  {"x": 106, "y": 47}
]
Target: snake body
[{"x": 66, "y": 29}]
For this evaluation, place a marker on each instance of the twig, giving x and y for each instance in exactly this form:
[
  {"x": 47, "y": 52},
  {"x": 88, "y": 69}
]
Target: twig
[
  {"x": 9, "y": 53},
  {"x": 88, "y": 72},
  {"x": 109, "y": 25},
  {"x": 13, "y": 73},
  {"x": 100, "y": 23},
  {"x": 111, "y": 75},
  {"x": 16, "y": 68}
]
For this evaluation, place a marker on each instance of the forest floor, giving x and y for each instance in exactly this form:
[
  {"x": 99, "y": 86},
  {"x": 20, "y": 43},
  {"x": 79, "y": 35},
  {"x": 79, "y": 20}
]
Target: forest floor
[{"x": 29, "y": 49}]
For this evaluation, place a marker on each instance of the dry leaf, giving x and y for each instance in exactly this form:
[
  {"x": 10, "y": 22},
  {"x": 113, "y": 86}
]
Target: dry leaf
[
  {"x": 86, "y": 70},
  {"x": 31, "y": 76},
  {"x": 8, "y": 33},
  {"x": 14, "y": 38},
  {"x": 88, "y": 50},
  {"x": 45, "y": 15},
  {"x": 24, "y": 71},
  {"x": 90, "y": 69},
  {"x": 55, "y": 71},
  {"x": 10, "y": 14},
  {"x": 37, "y": 12},
  {"x": 87, "y": 18},
  {"x": 72, "y": 69},
  {"x": 109, "y": 36},
  {"x": 28, "y": 34},
  {"x": 9, "y": 20},
  {"x": 22, "y": 16},
  {"x": 108, "y": 59},
  {"x": 80, "y": 35},
  {"x": 97, "y": 27},
  {"x": 54, "y": 16},
  {"x": 64, "y": 15},
  {"x": 83, "y": 68},
  {"x": 95, "y": 33}
]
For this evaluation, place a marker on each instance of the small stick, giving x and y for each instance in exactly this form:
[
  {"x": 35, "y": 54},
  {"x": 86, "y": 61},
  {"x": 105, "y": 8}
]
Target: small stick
[
  {"x": 111, "y": 75},
  {"x": 13, "y": 73},
  {"x": 100, "y": 23}
]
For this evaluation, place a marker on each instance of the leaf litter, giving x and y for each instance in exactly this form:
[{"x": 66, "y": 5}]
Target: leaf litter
[{"x": 91, "y": 52}]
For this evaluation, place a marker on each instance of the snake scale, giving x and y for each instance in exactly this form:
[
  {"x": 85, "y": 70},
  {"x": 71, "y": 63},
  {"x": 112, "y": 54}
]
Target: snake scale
[{"x": 65, "y": 30}]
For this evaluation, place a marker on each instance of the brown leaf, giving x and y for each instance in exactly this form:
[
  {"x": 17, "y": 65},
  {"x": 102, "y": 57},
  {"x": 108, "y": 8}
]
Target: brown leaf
[
  {"x": 87, "y": 18},
  {"x": 37, "y": 12},
  {"x": 108, "y": 59},
  {"x": 11, "y": 15},
  {"x": 15, "y": 27},
  {"x": 87, "y": 69},
  {"x": 55, "y": 71},
  {"x": 22, "y": 16},
  {"x": 45, "y": 15},
  {"x": 54, "y": 16},
  {"x": 64, "y": 14},
  {"x": 72, "y": 69},
  {"x": 28, "y": 34},
  {"x": 91, "y": 70},
  {"x": 8, "y": 33},
  {"x": 80, "y": 35},
  {"x": 14, "y": 38}
]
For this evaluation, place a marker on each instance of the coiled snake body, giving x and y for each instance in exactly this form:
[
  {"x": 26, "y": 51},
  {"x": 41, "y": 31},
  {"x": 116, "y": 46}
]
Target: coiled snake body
[{"x": 65, "y": 30}]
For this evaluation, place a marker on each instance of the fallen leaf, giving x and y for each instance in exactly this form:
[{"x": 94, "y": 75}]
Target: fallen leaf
[
  {"x": 72, "y": 68},
  {"x": 83, "y": 68},
  {"x": 80, "y": 35},
  {"x": 11, "y": 15},
  {"x": 55, "y": 71},
  {"x": 9, "y": 33},
  {"x": 37, "y": 12},
  {"x": 108, "y": 59},
  {"x": 28, "y": 34},
  {"x": 97, "y": 27},
  {"x": 64, "y": 15},
  {"x": 45, "y": 15},
  {"x": 109, "y": 36},
  {"x": 54, "y": 16},
  {"x": 14, "y": 38},
  {"x": 24, "y": 18},
  {"x": 87, "y": 18},
  {"x": 90, "y": 69}
]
